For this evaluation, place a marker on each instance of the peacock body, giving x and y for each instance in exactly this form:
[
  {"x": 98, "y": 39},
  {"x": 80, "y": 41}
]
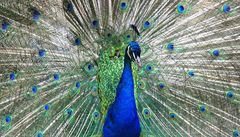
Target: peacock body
[
  {"x": 124, "y": 104},
  {"x": 62, "y": 63}
]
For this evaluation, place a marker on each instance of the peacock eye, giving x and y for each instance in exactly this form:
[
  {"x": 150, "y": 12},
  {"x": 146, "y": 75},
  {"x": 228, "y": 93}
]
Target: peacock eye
[
  {"x": 69, "y": 111},
  {"x": 39, "y": 134},
  {"x": 42, "y": 53},
  {"x": 56, "y": 76},
  {"x": 70, "y": 7},
  {"x": 36, "y": 15},
  {"x": 78, "y": 85},
  {"x": 123, "y": 5},
  {"x": 226, "y": 8},
  {"x": 202, "y": 108},
  {"x": 77, "y": 41},
  {"x": 172, "y": 115},
  {"x": 8, "y": 119},
  {"x": 146, "y": 25},
  {"x": 12, "y": 76},
  {"x": 95, "y": 24},
  {"x": 191, "y": 73},
  {"x": 5, "y": 26},
  {"x": 96, "y": 115},
  {"x": 230, "y": 94},
  {"x": 94, "y": 91},
  {"x": 141, "y": 84},
  {"x": 149, "y": 68},
  {"x": 90, "y": 66},
  {"x": 180, "y": 8},
  {"x": 170, "y": 47},
  {"x": 146, "y": 113},
  {"x": 235, "y": 133},
  {"x": 161, "y": 85},
  {"x": 46, "y": 107},
  {"x": 216, "y": 53},
  {"x": 34, "y": 89}
]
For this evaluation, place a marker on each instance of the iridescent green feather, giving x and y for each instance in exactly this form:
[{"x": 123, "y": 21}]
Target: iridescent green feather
[{"x": 110, "y": 70}]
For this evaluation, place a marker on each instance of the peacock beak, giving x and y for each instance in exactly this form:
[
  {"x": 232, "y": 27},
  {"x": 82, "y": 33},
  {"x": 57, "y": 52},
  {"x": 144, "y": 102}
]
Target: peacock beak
[{"x": 138, "y": 62}]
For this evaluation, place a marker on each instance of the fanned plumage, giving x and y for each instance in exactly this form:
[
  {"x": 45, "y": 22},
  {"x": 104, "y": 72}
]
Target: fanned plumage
[{"x": 61, "y": 62}]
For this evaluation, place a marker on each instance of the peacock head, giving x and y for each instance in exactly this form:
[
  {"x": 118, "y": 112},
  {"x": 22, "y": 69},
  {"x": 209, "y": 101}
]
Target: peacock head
[{"x": 133, "y": 51}]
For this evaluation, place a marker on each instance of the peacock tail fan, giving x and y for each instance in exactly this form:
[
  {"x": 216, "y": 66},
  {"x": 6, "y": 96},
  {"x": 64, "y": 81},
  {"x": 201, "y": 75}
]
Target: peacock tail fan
[{"x": 61, "y": 61}]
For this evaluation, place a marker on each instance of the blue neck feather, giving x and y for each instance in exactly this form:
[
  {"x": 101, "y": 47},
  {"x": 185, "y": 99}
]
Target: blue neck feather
[
  {"x": 122, "y": 118},
  {"x": 126, "y": 82}
]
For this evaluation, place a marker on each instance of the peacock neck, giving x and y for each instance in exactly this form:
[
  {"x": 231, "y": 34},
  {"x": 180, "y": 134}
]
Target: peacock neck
[
  {"x": 126, "y": 84},
  {"x": 127, "y": 67}
]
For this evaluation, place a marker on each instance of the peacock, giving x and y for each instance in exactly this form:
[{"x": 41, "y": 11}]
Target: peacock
[
  {"x": 124, "y": 104},
  {"x": 119, "y": 68}
]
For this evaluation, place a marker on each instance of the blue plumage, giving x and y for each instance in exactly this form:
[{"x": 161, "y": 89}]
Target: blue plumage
[{"x": 122, "y": 117}]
